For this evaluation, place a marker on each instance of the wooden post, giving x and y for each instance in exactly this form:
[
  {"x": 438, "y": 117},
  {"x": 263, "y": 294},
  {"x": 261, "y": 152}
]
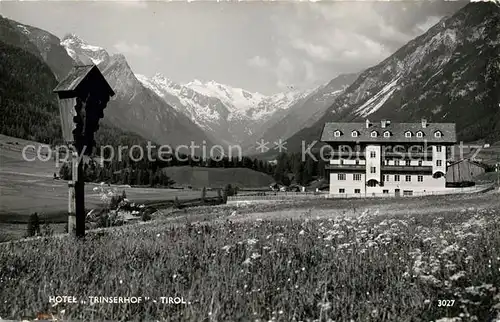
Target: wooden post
[
  {"x": 80, "y": 202},
  {"x": 71, "y": 194},
  {"x": 497, "y": 168},
  {"x": 78, "y": 166}
]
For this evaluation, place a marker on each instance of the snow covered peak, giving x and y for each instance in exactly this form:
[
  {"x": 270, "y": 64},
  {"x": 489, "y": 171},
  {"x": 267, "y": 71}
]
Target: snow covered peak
[
  {"x": 82, "y": 52},
  {"x": 72, "y": 39},
  {"x": 236, "y": 99},
  {"x": 23, "y": 28}
]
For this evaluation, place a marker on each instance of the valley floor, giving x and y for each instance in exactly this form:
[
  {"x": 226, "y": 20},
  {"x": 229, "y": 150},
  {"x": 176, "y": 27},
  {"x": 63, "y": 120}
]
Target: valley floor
[{"x": 363, "y": 260}]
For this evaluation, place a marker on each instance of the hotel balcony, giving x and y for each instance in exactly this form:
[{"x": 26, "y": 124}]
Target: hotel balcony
[
  {"x": 346, "y": 167},
  {"x": 345, "y": 154},
  {"x": 406, "y": 169},
  {"x": 409, "y": 155}
]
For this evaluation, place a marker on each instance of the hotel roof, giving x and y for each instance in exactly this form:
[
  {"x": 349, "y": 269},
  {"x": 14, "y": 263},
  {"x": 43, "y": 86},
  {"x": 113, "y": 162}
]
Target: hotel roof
[{"x": 397, "y": 132}]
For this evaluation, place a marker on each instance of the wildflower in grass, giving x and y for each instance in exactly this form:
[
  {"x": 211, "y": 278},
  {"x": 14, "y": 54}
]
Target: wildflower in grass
[
  {"x": 255, "y": 256},
  {"x": 247, "y": 262},
  {"x": 457, "y": 276},
  {"x": 252, "y": 241},
  {"x": 445, "y": 319},
  {"x": 431, "y": 280}
]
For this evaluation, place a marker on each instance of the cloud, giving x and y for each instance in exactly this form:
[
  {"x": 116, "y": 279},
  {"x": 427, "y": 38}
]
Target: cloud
[
  {"x": 133, "y": 49},
  {"x": 131, "y": 3},
  {"x": 284, "y": 73},
  {"x": 427, "y": 24},
  {"x": 318, "y": 52},
  {"x": 351, "y": 36},
  {"x": 258, "y": 61}
]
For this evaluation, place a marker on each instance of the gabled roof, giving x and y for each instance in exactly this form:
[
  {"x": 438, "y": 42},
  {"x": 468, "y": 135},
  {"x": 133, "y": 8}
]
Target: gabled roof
[
  {"x": 81, "y": 76},
  {"x": 75, "y": 77},
  {"x": 397, "y": 129},
  {"x": 467, "y": 160}
]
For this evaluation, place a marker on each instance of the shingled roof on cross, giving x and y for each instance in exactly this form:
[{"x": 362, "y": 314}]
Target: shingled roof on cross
[
  {"x": 80, "y": 78},
  {"x": 397, "y": 132}
]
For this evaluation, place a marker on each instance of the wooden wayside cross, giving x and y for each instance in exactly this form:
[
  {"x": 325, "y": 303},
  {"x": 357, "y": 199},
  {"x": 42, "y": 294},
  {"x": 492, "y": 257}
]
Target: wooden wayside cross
[{"x": 83, "y": 96}]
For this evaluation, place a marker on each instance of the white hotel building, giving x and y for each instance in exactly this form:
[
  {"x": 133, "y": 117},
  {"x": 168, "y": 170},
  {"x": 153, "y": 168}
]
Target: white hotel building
[{"x": 388, "y": 158}]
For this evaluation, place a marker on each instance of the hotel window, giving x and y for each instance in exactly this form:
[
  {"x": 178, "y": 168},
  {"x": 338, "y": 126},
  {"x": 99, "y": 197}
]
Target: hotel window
[
  {"x": 420, "y": 178},
  {"x": 408, "y": 178},
  {"x": 354, "y": 134},
  {"x": 387, "y": 177},
  {"x": 373, "y": 170},
  {"x": 374, "y": 134},
  {"x": 438, "y": 148},
  {"x": 337, "y": 134},
  {"x": 437, "y": 134},
  {"x": 439, "y": 163},
  {"x": 407, "y": 192},
  {"x": 387, "y": 134},
  {"x": 341, "y": 162},
  {"x": 408, "y": 134},
  {"x": 373, "y": 154},
  {"x": 385, "y": 191},
  {"x": 341, "y": 190},
  {"x": 396, "y": 162},
  {"x": 357, "y": 162},
  {"x": 396, "y": 177},
  {"x": 357, "y": 190},
  {"x": 341, "y": 176},
  {"x": 408, "y": 162},
  {"x": 420, "y": 134},
  {"x": 419, "y": 163},
  {"x": 357, "y": 177}
]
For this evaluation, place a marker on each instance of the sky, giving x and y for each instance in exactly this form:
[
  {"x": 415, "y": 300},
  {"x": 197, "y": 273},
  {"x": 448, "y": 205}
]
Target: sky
[{"x": 265, "y": 47}]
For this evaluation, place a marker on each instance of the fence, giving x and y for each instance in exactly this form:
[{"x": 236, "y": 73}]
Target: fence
[
  {"x": 282, "y": 196},
  {"x": 278, "y": 196}
]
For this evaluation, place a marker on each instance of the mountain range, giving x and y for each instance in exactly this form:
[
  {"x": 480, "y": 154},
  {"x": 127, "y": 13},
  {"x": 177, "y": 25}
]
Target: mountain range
[
  {"x": 29, "y": 71},
  {"x": 231, "y": 115},
  {"x": 165, "y": 111},
  {"x": 451, "y": 73}
]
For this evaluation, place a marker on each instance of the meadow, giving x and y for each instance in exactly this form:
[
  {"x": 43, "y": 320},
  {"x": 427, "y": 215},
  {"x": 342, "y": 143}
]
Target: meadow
[{"x": 235, "y": 264}]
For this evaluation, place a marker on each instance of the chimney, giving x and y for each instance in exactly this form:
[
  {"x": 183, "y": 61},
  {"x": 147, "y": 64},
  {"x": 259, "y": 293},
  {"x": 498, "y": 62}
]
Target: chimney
[
  {"x": 384, "y": 123},
  {"x": 424, "y": 123},
  {"x": 368, "y": 123}
]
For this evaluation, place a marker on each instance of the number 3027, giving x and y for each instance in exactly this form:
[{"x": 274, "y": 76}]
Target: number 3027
[{"x": 442, "y": 303}]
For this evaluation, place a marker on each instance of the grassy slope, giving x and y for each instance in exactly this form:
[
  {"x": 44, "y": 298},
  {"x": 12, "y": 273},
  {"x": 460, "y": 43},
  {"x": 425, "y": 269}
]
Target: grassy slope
[
  {"x": 369, "y": 267},
  {"x": 218, "y": 177}
]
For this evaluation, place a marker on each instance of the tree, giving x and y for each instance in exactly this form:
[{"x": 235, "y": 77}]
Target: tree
[
  {"x": 177, "y": 204},
  {"x": 299, "y": 172},
  {"x": 321, "y": 169},
  {"x": 309, "y": 170},
  {"x": 33, "y": 225},
  {"x": 65, "y": 171},
  {"x": 256, "y": 165},
  {"x": 219, "y": 196},
  {"x": 229, "y": 191},
  {"x": 203, "y": 195},
  {"x": 280, "y": 171},
  {"x": 139, "y": 177}
]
